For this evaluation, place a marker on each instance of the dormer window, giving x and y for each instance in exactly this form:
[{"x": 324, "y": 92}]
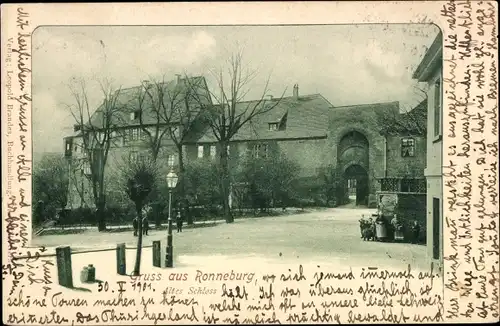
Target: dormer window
[
  {"x": 134, "y": 115},
  {"x": 273, "y": 126}
]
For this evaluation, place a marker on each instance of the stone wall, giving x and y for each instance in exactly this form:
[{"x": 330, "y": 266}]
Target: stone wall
[
  {"x": 399, "y": 166},
  {"x": 361, "y": 119}
]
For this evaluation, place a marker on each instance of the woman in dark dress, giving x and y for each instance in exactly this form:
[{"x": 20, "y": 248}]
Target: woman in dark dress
[
  {"x": 145, "y": 225},
  {"x": 135, "y": 225}
]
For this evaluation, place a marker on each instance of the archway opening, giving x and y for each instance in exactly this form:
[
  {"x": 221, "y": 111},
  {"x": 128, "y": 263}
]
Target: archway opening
[
  {"x": 356, "y": 184},
  {"x": 353, "y": 159}
]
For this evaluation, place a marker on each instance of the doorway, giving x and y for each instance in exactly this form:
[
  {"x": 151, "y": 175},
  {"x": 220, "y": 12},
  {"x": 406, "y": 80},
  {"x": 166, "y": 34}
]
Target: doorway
[
  {"x": 357, "y": 184},
  {"x": 436, "y": 228}
]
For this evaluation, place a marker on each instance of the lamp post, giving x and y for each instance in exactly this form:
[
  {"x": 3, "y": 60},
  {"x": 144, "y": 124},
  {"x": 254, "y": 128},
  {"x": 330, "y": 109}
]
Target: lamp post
[{"x": 171, "y": 183}]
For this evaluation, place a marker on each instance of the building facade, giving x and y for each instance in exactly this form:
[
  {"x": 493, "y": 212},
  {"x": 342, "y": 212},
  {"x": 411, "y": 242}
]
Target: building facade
[
  {"x": 430, "y": 71},
  {"x": 318, "y": 136},
  {"x": 307, "y": 129}
]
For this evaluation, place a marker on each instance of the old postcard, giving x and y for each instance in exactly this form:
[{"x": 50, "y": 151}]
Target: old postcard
[{"x": 250, "y": 163}]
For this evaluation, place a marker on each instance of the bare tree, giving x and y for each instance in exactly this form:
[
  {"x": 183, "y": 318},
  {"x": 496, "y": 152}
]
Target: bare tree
[
  {"x": 146, "y": 102},
  {"x": 411, "y": 120},
  {"x": 97, "y": 130},
  {"x": 169, "y": 108},
  {"x": 139, "y": 179},
  {"x": 229, "y": 113},
  {"x": 77, "y": 180}
]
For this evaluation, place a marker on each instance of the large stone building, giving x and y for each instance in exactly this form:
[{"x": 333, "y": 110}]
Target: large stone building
[
  {"x": 309, "y": 130},
  {"x": 430, "y": 71}
]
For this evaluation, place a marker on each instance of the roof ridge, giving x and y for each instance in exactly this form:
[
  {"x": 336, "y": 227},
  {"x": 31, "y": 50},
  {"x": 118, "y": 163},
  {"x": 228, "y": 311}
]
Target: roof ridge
[
  {"x": 164, "y": 82},
  {"x": 366, "y": 104},
  {"x": 277, "y": 98}
]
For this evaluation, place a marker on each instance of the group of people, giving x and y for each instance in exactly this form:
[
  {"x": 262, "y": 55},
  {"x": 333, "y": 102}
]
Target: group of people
[
  {"x": 394, "y": 230},
  {"x": 145, "y": 224}
]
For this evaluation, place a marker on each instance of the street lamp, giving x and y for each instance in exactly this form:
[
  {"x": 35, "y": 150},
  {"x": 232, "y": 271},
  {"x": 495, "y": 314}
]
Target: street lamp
[{"x": 171, "y": 183}]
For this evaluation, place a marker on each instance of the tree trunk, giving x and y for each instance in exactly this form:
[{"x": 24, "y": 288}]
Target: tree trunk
[
  {"x": 101, "y": 218},
  {"x": 225, "y": 183},
  {"x": 158, "y": 211},
  {"x": 182, "y": 193},
  {"x": 137, "y": 266}
]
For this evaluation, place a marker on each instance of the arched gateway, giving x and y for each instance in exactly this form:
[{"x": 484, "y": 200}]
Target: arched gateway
[{"x": 352, "y": 158}]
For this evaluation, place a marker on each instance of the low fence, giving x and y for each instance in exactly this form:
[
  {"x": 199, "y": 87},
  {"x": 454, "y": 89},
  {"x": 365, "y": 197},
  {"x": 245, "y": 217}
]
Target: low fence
[
  {"x": 65, "y": 269},
  {"x": 200, "y": 215}
]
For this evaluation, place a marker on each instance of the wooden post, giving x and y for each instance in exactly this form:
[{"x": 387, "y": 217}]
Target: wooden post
[
  {"x": 121, "y": 263},
  {"x": 157, "y": 253},
  {"x": 64, "y": 268}
]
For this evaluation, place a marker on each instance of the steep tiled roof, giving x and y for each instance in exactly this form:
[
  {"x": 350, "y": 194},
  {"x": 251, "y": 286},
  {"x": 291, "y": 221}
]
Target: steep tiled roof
[
  {"x": 306, "y": 117},
  {"x": 127, "y": 101},
  {"x": 373, "y": 107}
]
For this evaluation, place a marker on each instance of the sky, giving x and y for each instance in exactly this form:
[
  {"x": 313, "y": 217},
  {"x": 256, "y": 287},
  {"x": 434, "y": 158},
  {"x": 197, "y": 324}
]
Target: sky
[{"x": 347, "y": 64}]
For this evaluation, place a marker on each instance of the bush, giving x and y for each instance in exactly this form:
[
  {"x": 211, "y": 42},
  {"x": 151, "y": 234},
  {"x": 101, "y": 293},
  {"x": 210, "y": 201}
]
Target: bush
[
  {"x": 81, "y": 215},
  {"x": 88, "y": 216},
  {"x": 269, "y": 181},
  {"x": 50, "y": 187},
  {"x": 201, "y": 186}
]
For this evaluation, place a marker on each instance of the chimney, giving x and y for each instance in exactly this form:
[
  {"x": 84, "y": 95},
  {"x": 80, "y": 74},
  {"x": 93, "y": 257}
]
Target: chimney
[
  {"x": 296, "y": 91},
  {"x": 178, "y": 78}
]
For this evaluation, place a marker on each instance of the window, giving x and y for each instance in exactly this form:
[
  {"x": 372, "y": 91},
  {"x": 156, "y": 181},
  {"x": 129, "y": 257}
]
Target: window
[
  {"x": 86, "y": 169},
  {"x": 143, "y": 157},
  {"x": 407, "y": 147},
  {"x": 255, "y": 151},
  {"x": 213, "y": 151},
  {"x": 100, "y": 136},
  {"x": 135, "y": 134},
  {"x": 273, "y": 126},
  {"x": 200, "y": 151},
  {"x": 133, "y": 156},
  {"x": 177, "y": 132},
  {"x": 170, "y": 159},
  {"x": 75, "y": 148},
  {"x": 68, "y": 147},
  {"x": 437, "y": 108},
  {"x": 260, "y": 150}
]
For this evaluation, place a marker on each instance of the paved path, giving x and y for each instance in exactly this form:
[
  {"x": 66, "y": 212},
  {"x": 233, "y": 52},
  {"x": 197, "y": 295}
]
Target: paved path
[{"x": 331, "y": 234}]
